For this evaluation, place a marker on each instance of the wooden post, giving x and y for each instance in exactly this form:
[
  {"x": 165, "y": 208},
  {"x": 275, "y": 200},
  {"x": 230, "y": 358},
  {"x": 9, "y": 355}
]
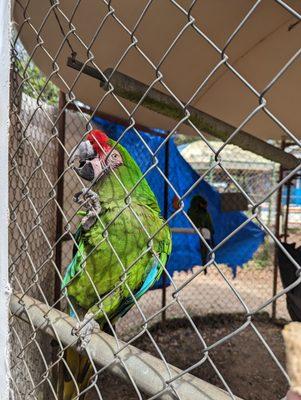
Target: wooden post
[
  {"x": 277, "y": 234},
  {"x": 57, "y": 372},
  {"x": 60, "y": 196},
  {"x": 165, "y": 214}
]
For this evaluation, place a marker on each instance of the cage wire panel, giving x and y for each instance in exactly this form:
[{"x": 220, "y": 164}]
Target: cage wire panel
[
  {"x": 30, "y": 249},
  {"x": 254, "y": 282},
  {"x": 215, "y": 296},
  {"x": 35, "y": 145},
  {"x": 257, "y": 176}
]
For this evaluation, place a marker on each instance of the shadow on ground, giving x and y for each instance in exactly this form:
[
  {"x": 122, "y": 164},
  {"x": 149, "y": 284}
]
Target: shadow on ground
[{"x": 243, "y": 360}]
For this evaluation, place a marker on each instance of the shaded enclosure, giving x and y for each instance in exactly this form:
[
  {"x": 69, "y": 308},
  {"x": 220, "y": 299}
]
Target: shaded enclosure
[{"x": 223, "y": 92}]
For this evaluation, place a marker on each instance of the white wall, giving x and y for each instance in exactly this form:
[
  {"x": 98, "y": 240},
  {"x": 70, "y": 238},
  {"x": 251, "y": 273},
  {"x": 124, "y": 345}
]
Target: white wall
[{"x": 4, "y": 118}]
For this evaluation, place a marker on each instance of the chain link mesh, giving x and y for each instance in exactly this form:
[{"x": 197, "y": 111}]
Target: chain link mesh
[{"x": 35, "y": 144}]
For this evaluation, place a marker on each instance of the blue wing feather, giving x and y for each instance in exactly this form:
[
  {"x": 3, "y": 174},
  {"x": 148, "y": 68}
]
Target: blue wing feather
[
  {"x": 78, "y": 257},
  {"x": 153, "y": 275}
]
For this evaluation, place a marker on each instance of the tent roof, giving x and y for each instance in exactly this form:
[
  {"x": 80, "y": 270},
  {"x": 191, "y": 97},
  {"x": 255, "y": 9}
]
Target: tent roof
[
  {"x": 260, "y": 49},
  {"x": 200, "y": 156}
]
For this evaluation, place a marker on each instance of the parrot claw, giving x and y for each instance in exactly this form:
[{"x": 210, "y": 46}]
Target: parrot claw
[
  {"x": 86, "y": 194},
  {"x": 84, "y": 331},
  {"x": 90, "y": 200},
  {"x": 89, "y": 220}
]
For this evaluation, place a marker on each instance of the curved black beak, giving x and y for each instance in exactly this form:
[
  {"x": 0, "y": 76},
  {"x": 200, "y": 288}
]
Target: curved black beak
[
  {"x": 85, "y": 170},
  {"x": 85, "y": 153}
]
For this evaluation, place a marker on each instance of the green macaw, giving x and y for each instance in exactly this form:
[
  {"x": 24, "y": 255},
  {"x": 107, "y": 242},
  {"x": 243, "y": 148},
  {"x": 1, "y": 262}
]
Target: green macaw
[{"x": 121, "y": 246}]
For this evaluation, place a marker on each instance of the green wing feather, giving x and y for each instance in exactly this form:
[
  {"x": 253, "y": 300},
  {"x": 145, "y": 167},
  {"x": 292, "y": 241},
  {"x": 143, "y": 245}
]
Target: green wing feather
[{"x": 103, "y": 267}]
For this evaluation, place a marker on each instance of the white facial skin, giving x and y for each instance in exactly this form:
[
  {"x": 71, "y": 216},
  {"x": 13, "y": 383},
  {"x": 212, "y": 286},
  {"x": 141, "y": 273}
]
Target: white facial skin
[
  {"x": 114, "y": 160},
  {"x": 93, "y": 169},
  {"x": 101, "y": 164}
]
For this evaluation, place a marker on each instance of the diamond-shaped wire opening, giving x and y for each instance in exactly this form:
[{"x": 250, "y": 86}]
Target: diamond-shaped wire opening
[{"x": 36, "y": 181}]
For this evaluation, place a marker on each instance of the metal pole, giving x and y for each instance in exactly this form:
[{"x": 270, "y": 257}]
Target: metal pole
[
  {"x": 4, "y": 130},
  {"x": 60, "y": 195},
  {"x": 165, "y": 214},
  {"x": 288, "y": 200},
  {"x": 271, "y": 202},
  {"x": 133, "y": 90},
  {"x": 148, "y": 372},
  {"x": 111, "y": 118},
  {"x": 187, "y": 231},
  {"x": 277, "y": 234}
]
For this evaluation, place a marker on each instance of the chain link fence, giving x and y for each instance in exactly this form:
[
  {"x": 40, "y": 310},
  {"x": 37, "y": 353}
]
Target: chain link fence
[
  {"x": 211, "y": 320},
  {"x": 257, "y": 176}
]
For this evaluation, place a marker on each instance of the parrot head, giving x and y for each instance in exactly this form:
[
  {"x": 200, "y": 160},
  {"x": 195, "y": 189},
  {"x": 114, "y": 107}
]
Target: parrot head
[{"x": 96, "y": 157}]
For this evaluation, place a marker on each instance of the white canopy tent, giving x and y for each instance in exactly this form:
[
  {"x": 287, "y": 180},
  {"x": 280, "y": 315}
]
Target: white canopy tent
[{"x": 200, "y": 157}]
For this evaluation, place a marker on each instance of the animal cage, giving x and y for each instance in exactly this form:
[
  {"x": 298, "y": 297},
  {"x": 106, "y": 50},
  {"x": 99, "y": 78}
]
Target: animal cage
[{"x": 219, "y": 74}]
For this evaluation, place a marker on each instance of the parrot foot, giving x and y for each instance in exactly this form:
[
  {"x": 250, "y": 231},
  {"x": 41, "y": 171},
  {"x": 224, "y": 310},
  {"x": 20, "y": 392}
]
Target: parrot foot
[
  {"x": 84, "y": 330},
  {"x": 90, "y": 200},
  {"x": 89, "y": 220}
]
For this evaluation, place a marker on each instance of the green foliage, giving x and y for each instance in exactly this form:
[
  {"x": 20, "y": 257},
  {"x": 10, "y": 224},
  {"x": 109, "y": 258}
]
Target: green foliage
[
  {"x": 49, "y": 93},
  {"x": 35, "y": 84}
]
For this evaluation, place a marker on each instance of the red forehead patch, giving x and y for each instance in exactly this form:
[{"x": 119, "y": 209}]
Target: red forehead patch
[{"x": 99, "y": 141}]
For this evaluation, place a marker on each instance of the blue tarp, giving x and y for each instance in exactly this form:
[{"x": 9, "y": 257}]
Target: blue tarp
[
  {"x": 186, "y": 247},
  {"x": 295, "y": 196}
]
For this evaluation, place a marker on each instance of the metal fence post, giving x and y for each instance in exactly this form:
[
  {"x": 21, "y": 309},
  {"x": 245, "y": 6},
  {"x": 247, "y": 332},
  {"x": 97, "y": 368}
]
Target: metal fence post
[{"x": 287, "y": 206}]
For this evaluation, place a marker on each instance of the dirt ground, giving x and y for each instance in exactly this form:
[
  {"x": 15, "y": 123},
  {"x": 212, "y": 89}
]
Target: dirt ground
[
  {"x": 243, "y": 360},
  {"x": 213, "y": 294},
  {"x": 210, "y": 294}
]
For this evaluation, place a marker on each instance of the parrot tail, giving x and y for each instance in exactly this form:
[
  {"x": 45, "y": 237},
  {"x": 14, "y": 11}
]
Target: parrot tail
[{"x": 75, "y": 378}]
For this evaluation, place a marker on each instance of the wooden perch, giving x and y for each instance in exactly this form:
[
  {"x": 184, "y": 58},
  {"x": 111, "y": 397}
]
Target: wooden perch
[
  {"x": 133, "y": 90},
  {"x": 149, "y": 373}
]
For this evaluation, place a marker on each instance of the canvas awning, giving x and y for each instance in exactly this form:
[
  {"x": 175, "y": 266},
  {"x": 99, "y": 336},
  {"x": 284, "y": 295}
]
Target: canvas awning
[{"x": 266, "y": 42}]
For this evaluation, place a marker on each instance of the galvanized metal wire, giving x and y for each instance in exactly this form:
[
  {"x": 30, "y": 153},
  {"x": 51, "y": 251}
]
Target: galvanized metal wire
[{"x": 35, "y": 144}]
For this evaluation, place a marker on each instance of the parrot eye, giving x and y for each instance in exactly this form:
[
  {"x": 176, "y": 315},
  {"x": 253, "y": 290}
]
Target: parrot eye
[
  {"x": 115, "y": 156},
  {"x": 114, "y": 160}
]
